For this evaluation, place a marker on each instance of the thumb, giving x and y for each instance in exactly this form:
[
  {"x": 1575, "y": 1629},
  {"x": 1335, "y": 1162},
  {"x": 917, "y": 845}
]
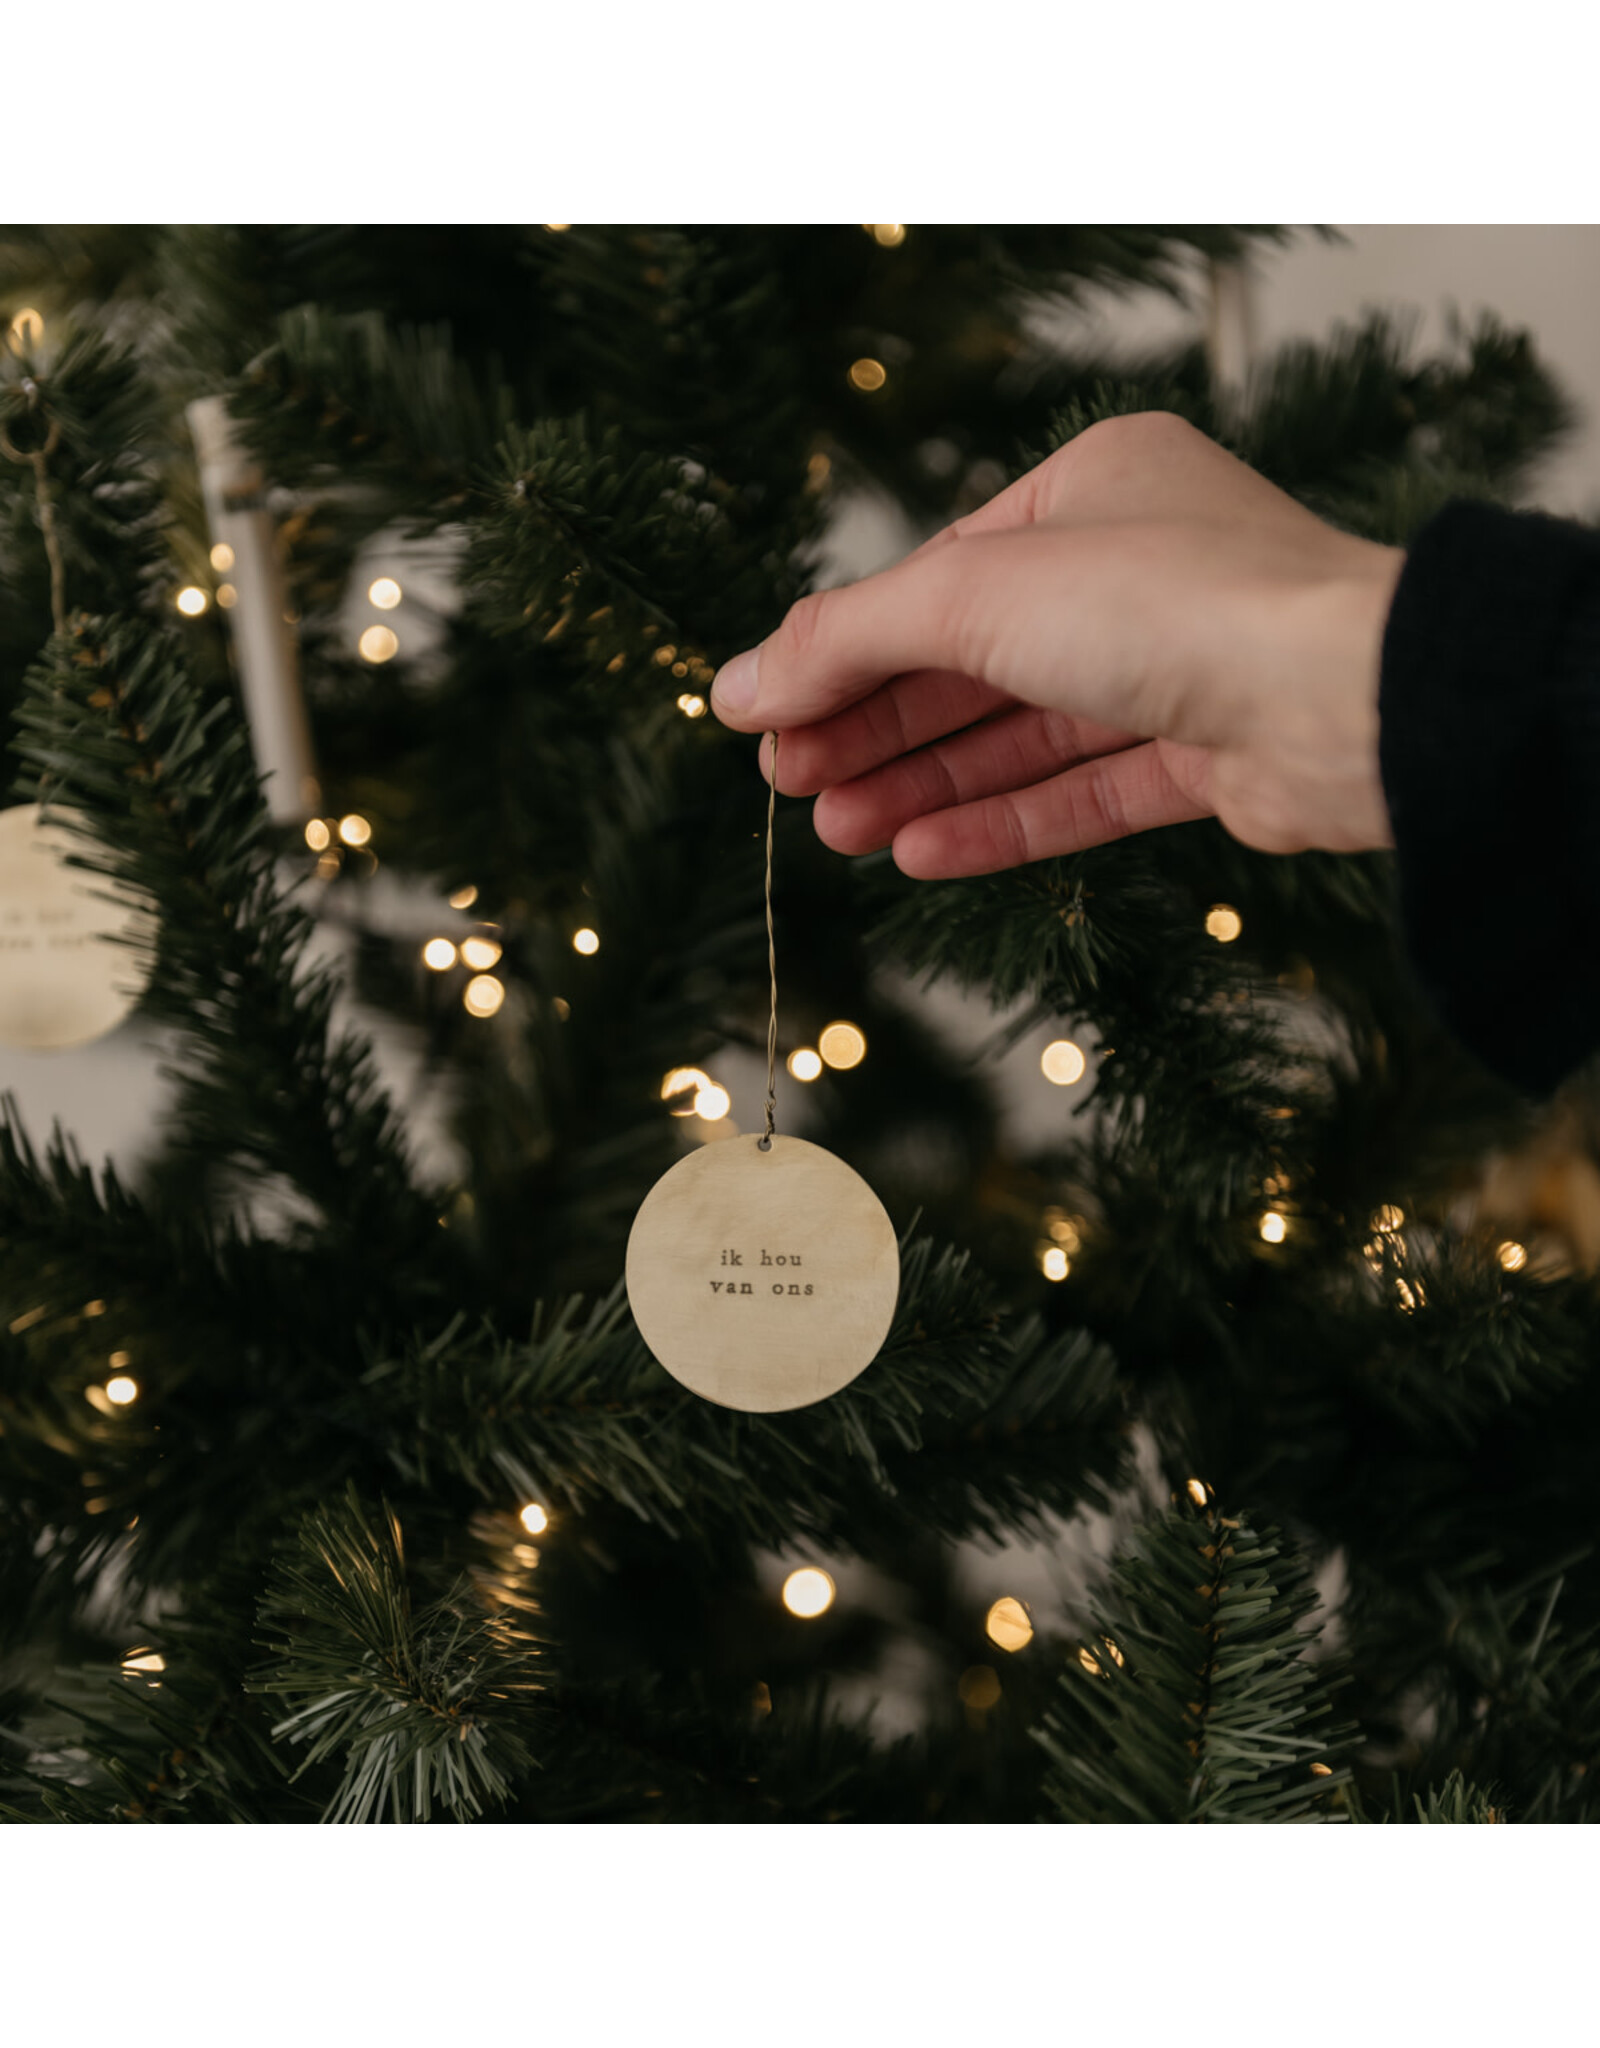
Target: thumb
[{"x": 835, "y": 647}]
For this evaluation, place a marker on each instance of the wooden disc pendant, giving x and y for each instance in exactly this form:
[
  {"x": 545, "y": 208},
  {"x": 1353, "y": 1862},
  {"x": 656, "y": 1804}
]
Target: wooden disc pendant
[
  {"x": 63, "y": 980},
  {"x": 763, "y": 1280}
]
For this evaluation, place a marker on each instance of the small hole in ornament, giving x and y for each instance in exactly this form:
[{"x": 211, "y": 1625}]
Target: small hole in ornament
[{"x": 763, "y": 1144}]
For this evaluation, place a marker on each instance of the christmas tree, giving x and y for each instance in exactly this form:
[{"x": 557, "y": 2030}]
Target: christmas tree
[{"x": 336, "y": 1481}]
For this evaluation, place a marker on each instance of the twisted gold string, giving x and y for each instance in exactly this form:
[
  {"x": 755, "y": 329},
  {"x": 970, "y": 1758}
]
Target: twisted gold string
[{"x": 772, "y": 959}]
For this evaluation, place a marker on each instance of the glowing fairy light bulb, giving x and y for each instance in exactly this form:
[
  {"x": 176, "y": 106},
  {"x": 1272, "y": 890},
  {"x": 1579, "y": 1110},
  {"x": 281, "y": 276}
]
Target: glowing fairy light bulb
[
  {"x": 1007, "y": 1624},
  {"x": 463, "y": 899},
  {"x": 1197, "y": 1492},
  {"x": 586, "y": 941},
  {"x": 480, "y": 953},
  {"x": 712, "y": 1102},
  {"x": 868, "y": 374},
  {"x": 483, "y": 995},
  {"x": 439, "y": 954},
  {"x": 222, "y": 558},
  {"x": 1274, "y": 1227},
  {"x": 121, "y": 1390},
  {"x": 534, "y": 1519},
  {"x": 354, "y": 829},
  {"x": 385, "y": 593},
  {"x": 1388, "y": 1219},
  {"x": 318, "y": 837},
  {"x": 684, "y": 1081},
  {"x": 804, "y": 1063},
  {"x": 379, "y": 644},
  {"x": 1512, "y": 1256},
  {"x": 1054, "y": 1263},
  {"x": 842, "y": 1046},
  {"x": 1224, "y": 923},
  {"x": 1062, "y": 1062},
  {"x": 26, "y": 329},
  {"x": 191, "y": 600},
  {"x": 808, "y": 1592}
]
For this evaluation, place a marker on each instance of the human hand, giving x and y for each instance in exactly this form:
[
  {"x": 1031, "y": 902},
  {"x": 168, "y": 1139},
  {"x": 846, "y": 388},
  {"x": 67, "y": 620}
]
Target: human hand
[{"x": 1141, "y": 630}]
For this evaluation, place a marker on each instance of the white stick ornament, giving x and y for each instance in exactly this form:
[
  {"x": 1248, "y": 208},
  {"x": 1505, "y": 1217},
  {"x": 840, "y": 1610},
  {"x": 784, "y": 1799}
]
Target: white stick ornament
[{"x": 763, "y": 1272}]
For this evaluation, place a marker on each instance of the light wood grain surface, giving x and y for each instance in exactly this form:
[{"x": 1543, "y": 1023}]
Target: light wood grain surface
[{"x": 763, "y": 1280}]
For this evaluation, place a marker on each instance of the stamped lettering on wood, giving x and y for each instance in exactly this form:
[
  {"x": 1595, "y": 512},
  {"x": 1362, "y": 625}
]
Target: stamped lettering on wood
[{"x": 794, "y": 1242}]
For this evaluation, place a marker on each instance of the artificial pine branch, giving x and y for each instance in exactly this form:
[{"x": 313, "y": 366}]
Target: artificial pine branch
[
  {"x": 154, "y": 776},
  {"x": 422, "y": 1706},
  {"x": 980, "y": 1426},
  {"x": 1191, "y": 1698}
]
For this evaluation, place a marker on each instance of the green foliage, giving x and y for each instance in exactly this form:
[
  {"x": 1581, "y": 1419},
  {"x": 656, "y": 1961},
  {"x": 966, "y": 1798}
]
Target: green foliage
[
  {"x": 1193, "y": 1698},
  {"x": 963, "y": 1423},
  {"x": 421, "y": 1705}
]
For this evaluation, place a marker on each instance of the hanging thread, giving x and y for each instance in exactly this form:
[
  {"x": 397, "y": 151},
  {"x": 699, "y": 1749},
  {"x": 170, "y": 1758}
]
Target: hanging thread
[
  {"x": 39, "y": 459},
  {"x": 772, "y": 960}
]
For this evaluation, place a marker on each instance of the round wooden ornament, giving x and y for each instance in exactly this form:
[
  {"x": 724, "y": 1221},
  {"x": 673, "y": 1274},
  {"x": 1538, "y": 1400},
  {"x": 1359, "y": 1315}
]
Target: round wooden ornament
[
  {"x": 63, "y": 978},
  {"x": 763, "y": 1273}
]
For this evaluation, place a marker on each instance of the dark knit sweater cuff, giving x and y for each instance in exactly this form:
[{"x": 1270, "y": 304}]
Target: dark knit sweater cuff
[{"x": 1489, "y": 747}]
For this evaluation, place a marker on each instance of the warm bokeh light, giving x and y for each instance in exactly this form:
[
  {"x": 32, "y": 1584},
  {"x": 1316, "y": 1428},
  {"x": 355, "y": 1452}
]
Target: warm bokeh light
[
  {"x": 556, "y": 227},
  {"x": 222, "y": 558},
  {"x": 483, "y": 995},
  {"x": 379, "y": 643},
  {"x": 1091, "y": 1663},
  {"x": 712, "y": 1102},
  {"x": 480, "y": 952},
  {"x": 808, "y": 1592},
  {"x": 90, "y": 1308},
  {"x": 1224, "y": 922},
  {"x": 121, "y": 1390},
  {"x": 463, "y": 899},
  {"x": 27, "y": 328},
  {"x": 1274, "y": 1227},
  {"x": 1197, "y": 1492},
  {"x": 842, "y": 1045},
  {"x": 191, "y": 600},
  {"x": 1411, "y": 1294},
  {"x": 328, "y": 866},
  {"x": 562, "y": 1007},
  {"x": 385, "y": 593},
  {"x": 684, "y": 1081},
  {"x": 868, "y": 374},
  {"x": 1054, "y": 1263},
  {"x": 805, "y": 1063},
  {"x": 692, "y": 706},
  {"x": 1062, "y": 1228},
  {"x": 1062, "y": 1062},
  {"x": 1007, "y": 1624},
  {"x": 318, "y": 837},
  {"x": 586, "y": 941},
  {"x": 889, "y": 236},
  {"x": 1512, "y": 1255},
  {"x": 439, "y": 954},
  {"x": 534, "y": 1519},
  {"x": 1117, "y": 1657},
  {"x": 354, "y": 829},
  {"x": 144, "y": 1660},
  {"x": 978, "y": 1688},
  {"x": 1388, "y": 1219},
  {"x": 227, "y": 596}
]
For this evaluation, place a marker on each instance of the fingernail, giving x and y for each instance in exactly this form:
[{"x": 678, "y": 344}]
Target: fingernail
[{"x": 735, "y": 685}]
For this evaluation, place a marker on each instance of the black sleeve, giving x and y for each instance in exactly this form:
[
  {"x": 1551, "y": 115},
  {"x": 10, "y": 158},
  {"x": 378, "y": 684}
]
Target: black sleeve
[{"x": 1489, "y": 748}]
